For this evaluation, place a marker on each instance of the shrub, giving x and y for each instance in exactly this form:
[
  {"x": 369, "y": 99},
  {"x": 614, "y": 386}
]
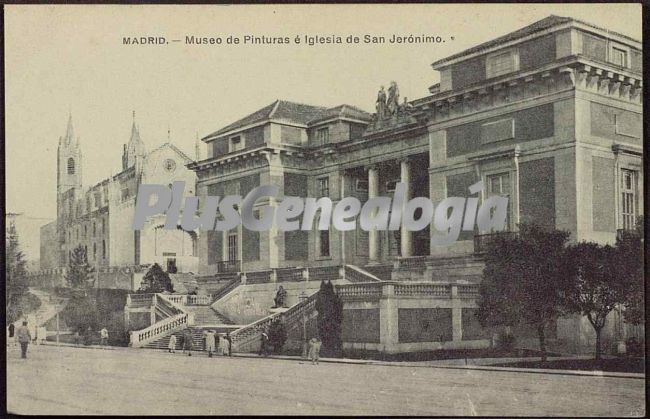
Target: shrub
[
  {"x": 277, "y": 336},
  {"x": 507, "y": 341}
]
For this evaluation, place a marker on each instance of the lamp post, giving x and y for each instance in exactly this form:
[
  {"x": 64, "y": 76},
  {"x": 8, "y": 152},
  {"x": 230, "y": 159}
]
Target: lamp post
[{"x": 303, "y": 297}]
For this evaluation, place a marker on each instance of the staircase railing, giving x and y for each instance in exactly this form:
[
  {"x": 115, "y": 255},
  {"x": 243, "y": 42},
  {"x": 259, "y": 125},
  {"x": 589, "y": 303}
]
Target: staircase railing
[
  {"x": 139, "y": 338},
  {"x": 356, "y": 274},
  {"x": 178, "y": 319},
  {"x": 234, "y": 283},
  {"x": 251, "y": 333}
]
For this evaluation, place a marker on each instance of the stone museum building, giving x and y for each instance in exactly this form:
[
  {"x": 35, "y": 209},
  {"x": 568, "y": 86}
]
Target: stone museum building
[
  {"x": 99, "y": 217},
  {"x": 549, "y": 116}
]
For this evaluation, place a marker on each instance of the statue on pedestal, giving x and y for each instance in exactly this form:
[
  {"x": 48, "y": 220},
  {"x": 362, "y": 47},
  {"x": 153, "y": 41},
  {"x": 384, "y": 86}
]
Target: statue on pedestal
[{"x": 280, "y": 297}]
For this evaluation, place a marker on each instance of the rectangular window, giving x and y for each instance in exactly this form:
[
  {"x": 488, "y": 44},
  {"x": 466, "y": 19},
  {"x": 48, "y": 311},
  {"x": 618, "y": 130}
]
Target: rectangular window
[
  {"x": 98, "y": 199},
  {"x": 232, "y": 247},
  {"x": 502, "y": 63},
  {"x": 94, "y": 251},
  {"x": 362, "y": 185},
  {"x": 618, "y": 56},
  {"x": 499, "y": 184},
  {"x": 391, "y": 185},
  {"x": 103, "y": 225},
  {"x": 323, "y": 187},
  {"x": 236, "y": 144},
  {"x": 628, "y": 198},
  {"x": 503, "y": 129},
  {"x": 323, "y": 136},
  {"x": 94, "y": 229},
  {"x": 103, "y": 249},
  {"x": 324, "y": 243}
]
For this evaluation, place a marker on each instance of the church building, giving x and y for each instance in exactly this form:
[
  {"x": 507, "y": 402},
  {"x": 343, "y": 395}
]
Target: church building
[{"x": 99, "y": 217}]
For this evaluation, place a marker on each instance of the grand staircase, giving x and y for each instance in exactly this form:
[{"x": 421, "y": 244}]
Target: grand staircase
[
  {"x": 179, "y": 312},
  {"x": 207, "y": 316}
]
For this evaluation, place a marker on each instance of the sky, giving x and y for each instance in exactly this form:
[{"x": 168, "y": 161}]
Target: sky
[{"x": 69, "y": 59}]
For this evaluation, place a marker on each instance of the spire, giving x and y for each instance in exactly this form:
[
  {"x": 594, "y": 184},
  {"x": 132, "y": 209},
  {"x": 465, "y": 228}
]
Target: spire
[
  {"x": 135, "y": 148},
  {"x": 69, "y": 133},
  {"x": 135, "y": 133}
]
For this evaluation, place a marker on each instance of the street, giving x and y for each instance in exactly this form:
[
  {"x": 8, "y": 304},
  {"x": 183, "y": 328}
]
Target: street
[{"x": 65, "y": 380}]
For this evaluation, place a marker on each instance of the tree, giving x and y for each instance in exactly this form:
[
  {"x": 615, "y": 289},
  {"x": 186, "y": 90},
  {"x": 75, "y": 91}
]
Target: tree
[
  {"x": 156, "y": 280},
  {"x": 596, "y": 289},
  {"x": 80, "y": 274},
  {"x": 16, "y": 275},
  {"x": 523, "y": 279},
  {"x": 330, "y": 317},
  {"x": 81, "y": 313},
  {"x": 629, "y": 247}
]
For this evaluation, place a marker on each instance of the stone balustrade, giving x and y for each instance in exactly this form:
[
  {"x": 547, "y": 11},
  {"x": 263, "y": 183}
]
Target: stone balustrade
[
  {"x": 289, "y": 274},
  {"x": 469, "y": 291},
  {"x": 245, "y": 338},
  {"x": 411, "y": 263},
  {"x": 361, "y": 291},
  {"x": 423, "y": 289},
  {"x": 355, "y": 274},
  {"x": 370, "y": 291},
  {"x": 324, "y": 273},
  {"x": 140, "y": 300},
  {"x": 140, "y": 338},
  {"x": 258, "y": 277}
]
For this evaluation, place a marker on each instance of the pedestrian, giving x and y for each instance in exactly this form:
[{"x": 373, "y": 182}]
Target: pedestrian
[
  {"x": 172, "y": 344},
  {"x": 314, "y": 349},
  {"x": 24, "y": 336},
  {"x": 264, "y": 344},
  {"x": 77, "y": 338},
  {"x": 210, "y": 342},
  {"x": 11, "y": 337},
  {"x": 187, "y": 342},
  {"x": 103, "y": 334},
  {"x": 216, "y": 341},
  {"x": 229, "y": 340}
]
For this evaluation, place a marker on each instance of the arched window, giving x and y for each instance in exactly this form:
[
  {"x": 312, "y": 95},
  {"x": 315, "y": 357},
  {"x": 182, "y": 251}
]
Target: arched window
[{"x": 71, "y": 166}]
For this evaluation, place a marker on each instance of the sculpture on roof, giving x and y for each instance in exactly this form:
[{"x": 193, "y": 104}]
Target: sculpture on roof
[
  {"x": 393, "y": 99},
  {"x": 380, "y": 105}
]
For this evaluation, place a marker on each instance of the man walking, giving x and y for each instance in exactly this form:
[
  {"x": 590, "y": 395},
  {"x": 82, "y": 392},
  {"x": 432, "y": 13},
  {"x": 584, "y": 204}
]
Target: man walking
[
  {"x": 264, "y": 344},
  {"x": 314, "y": 349},
  {"x": 229, "y": 340},
  {"x": 172, "y": 344},
  {"x": 24, "y": 337},
  {"x": 209, "y": 343},
  {"x": 187, "y": 341}
]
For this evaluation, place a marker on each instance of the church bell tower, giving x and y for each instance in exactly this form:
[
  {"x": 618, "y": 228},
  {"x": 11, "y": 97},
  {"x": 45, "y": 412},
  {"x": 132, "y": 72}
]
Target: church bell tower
[{"x": 68, "y": 161}]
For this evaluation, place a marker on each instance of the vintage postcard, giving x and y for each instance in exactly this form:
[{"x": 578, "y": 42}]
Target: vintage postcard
[{"x": 378, "y": 209}]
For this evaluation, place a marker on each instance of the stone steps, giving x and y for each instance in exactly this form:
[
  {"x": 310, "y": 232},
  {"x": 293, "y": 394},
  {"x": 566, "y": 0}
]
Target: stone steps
[{"x": 197, "y": 339}]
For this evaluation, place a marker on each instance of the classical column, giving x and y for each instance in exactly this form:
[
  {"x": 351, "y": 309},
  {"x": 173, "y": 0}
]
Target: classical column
[
  {"x": 406, "y": 242},
  {"x": 373, "y": 235}
]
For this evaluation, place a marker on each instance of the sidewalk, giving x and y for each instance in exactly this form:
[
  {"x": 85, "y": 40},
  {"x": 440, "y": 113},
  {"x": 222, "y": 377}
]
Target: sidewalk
[
  {"x": 456, "y": 364},
  {"x": 441, "y": 364}
]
